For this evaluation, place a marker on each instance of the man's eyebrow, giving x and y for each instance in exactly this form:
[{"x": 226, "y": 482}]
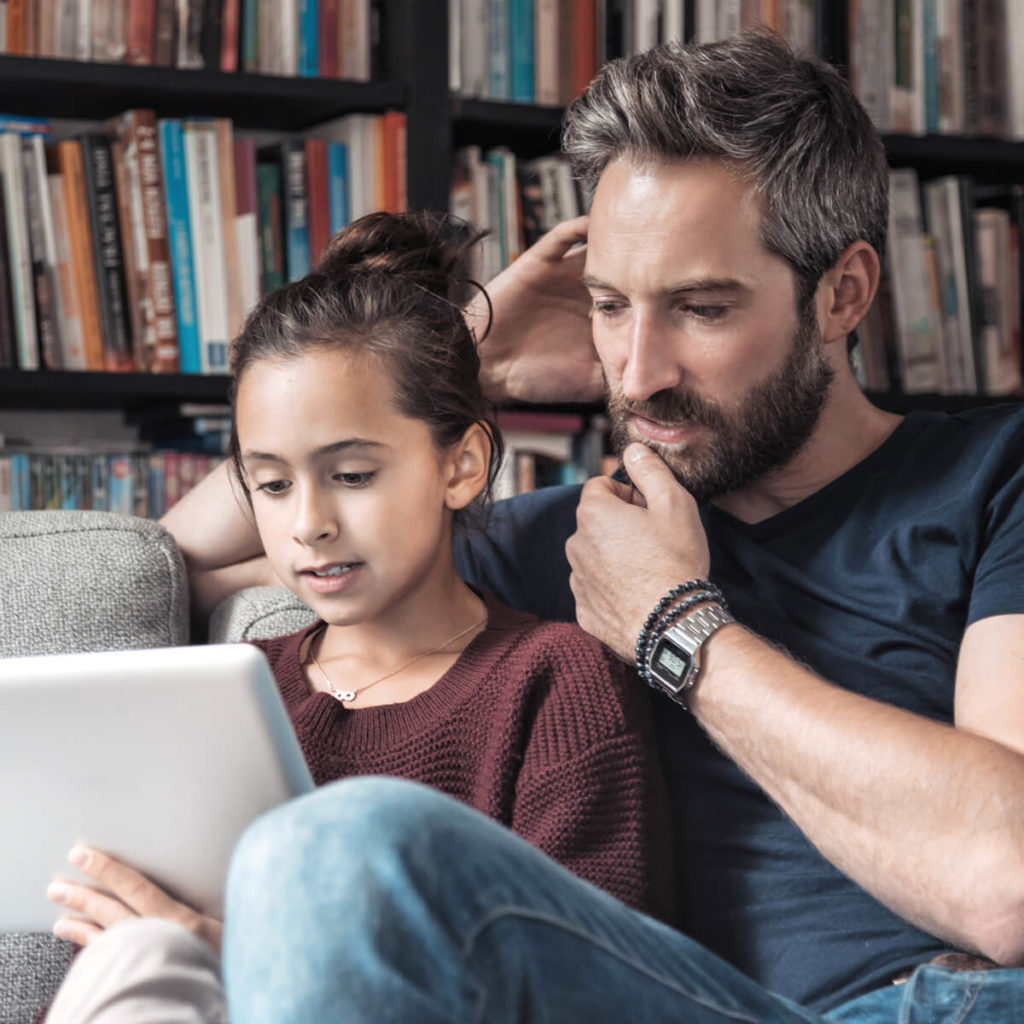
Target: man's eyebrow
[
  {"x": 701, "y": 285},
  {"x": 251, "y": 455}
]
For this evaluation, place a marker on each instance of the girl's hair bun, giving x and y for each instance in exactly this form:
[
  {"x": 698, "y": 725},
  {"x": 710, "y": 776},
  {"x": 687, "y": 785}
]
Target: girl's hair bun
[{"x": 428, "y": 248}]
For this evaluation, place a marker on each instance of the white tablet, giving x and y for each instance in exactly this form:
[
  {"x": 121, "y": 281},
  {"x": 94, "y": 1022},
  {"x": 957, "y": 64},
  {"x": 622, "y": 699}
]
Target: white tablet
[{"x": 158, "y": 757}]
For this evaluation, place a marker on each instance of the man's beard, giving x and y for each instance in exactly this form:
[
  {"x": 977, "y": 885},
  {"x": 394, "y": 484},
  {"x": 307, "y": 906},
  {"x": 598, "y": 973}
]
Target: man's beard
[{"x": 771, "y": 424}]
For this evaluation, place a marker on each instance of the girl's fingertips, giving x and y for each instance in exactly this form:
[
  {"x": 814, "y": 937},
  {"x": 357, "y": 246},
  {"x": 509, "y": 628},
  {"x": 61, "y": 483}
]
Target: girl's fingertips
[
  {"x": 58, "y": 892},
  {"x": 64, "y": 929},
  {"x": 79, "y": 856}
]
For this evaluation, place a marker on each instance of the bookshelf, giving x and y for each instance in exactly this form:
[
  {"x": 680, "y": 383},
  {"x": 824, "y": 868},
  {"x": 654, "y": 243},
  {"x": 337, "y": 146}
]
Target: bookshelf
[{"x": 416, "y": 81}]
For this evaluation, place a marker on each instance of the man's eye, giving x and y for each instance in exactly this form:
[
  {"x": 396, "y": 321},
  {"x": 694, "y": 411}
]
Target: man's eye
[
  {"x": 274, "y": 486},
  {"x": 605, "y": 308},
  {"x": 709, "y": 313},
  {"x": 354, "y": 479}
]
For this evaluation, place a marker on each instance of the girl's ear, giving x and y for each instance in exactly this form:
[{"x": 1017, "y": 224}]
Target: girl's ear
[{"x": 467, "y": 464}]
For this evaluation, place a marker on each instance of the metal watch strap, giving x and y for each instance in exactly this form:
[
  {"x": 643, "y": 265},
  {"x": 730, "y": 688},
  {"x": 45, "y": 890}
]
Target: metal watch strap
[{"x": 689, "y": 633}]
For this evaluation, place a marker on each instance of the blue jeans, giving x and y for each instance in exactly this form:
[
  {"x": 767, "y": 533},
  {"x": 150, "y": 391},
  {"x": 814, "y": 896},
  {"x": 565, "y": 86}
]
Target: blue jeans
[{"x": 378, "y": 900}]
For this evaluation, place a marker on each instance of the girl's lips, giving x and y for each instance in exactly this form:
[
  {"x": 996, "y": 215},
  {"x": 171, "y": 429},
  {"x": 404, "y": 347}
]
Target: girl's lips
[
  {"x": 332, "y": 584},
  {"x": 674, "y": 433}
]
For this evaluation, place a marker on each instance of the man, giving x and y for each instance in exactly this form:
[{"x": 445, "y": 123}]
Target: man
[{"x": 848, "y": 771}]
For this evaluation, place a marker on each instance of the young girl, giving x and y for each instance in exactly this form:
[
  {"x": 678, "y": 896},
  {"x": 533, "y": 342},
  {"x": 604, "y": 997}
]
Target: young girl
[{"x": 361, "y": 442}]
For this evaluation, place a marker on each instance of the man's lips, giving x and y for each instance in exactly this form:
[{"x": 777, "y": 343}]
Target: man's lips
[{"x": 668, "y": 433}]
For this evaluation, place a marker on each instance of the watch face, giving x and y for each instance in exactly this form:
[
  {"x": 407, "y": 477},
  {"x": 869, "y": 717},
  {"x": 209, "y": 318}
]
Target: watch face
[{"x": 671, "y": 664}]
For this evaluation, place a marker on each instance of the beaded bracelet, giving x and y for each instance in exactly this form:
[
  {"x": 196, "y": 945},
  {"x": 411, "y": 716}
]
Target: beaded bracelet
[{"x": 659, "y": 620}]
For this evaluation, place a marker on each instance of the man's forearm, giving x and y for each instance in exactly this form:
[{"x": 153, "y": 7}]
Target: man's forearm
[{"x": 926, "y": 817}]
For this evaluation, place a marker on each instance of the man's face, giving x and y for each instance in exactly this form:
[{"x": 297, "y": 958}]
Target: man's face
[{"x": 696, "y": 325}]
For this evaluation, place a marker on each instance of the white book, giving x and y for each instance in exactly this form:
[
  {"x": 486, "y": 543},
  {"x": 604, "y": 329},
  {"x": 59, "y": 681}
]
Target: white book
[
  {"x": 474, "y": 48},
  {"x": 83, "y": 30},
  {"x": 1015, "y": 68},
  {"x": 247, "y": 245},
  {"x": 872, "y": 58},
  {"x": 268, "y": 50},
  {"x": 19, "y": 253},
  {"x": 729, "y": 17},
  {"x": 916, "y": 319},
  {"x": 286, "y": 40},
  {"x": 673, "y": 21},
  {"x": 359, "y": 133},
  {"x": 65, "y": 28},
  {"x": 72, "y": 344},
  {"x": 1000, "y": 301},
  {"x": 454, "y": 46},
  {"x": 800, "y": 25},
  {"x": 706, "y": 27},
  {"x": 355, "y": 40},
  {"x": 945, "y": 224},
  {"x": 645, "y": 25},
  {"x": 204, "y": 215},
  {"x": 545, "y": 42}
]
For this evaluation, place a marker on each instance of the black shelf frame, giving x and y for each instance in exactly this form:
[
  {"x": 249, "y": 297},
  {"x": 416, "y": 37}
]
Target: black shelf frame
[
  {"x": 128, "y": 392},
  {"x": 39, "y": 87}
]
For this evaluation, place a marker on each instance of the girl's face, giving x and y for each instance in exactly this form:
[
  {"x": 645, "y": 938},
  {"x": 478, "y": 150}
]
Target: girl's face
[{"x": 353, "y": 500}]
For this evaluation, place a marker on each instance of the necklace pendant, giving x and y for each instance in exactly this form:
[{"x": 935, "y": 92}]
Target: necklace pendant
[{"x": 345, "y": 695}]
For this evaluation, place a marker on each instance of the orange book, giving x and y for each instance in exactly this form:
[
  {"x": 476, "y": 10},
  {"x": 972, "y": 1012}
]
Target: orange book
[
  {"x": 69, "y": 156},
  {"x": 395, "y": 194},
  {"x": 16, "y": 27},
  {"x": 319, "y": 198},
  {"x": 228, "y": 210}
]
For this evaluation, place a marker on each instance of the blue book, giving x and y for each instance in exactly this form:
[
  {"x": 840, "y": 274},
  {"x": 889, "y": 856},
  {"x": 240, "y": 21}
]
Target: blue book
[
  {"x": 520, "y": 24},
  {"x": 498, "y": 85},
  {"x": 21, "y": 484},
  {"x": 338, "y": 185},
  {"x": 309, "y": 38},
  {"x": 179, "y": 237},
  {"x": 296, "y": 209}
]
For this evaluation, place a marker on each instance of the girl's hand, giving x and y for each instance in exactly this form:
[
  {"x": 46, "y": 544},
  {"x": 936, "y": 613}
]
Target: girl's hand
[{"x": 130, "y": 895}]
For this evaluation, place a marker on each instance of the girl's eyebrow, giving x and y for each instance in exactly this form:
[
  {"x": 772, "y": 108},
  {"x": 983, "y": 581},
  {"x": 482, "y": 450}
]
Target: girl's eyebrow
[{"x": 333, "y": 448}]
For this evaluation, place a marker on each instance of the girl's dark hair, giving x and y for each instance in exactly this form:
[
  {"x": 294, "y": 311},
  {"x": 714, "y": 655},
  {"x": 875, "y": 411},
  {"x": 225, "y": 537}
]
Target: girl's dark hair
[{"x": 390, "y": 286}]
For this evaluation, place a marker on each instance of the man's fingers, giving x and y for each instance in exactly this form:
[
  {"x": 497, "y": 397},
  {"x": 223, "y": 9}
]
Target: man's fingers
[{"x": 650, "y": 476}]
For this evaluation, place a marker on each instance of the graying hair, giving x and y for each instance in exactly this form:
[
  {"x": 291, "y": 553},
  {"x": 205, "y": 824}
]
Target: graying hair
[{"x": 789, "y": 124}]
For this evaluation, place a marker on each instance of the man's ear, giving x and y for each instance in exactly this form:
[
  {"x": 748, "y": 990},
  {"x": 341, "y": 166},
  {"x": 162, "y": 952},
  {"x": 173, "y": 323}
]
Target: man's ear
[
  {"x": 846, "y": 292},
  {"x": 467, "y": 464}
]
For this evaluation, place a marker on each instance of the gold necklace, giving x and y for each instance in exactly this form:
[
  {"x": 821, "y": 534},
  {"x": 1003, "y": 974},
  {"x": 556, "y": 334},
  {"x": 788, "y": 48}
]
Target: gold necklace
[{"x": 347, "y": 696}]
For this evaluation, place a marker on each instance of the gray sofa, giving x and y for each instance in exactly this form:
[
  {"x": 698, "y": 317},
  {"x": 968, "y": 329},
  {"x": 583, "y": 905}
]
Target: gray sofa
[{"x": 94, "y": 581}]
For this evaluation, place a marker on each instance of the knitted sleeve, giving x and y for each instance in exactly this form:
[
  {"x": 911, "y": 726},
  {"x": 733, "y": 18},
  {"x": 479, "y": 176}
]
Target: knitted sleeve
[{"x": 590, "y": 792}]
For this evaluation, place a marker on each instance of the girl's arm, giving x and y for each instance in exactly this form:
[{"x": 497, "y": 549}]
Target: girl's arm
[
  {"x": 214, "y": 529},
  {"x": 590, "y": 793}
]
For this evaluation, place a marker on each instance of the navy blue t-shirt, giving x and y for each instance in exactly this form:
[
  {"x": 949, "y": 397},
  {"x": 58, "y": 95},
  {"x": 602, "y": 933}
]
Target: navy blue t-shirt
[{"x": 871, "y": 581}]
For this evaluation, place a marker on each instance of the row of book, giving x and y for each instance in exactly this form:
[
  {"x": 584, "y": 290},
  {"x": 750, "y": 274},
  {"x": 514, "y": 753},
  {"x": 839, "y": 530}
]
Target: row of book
[
  {"x": 947, "y": 66},
  {"x": 947, "y": 318},
  {"x": 308, "y": 38},
  {"x": 547, "y": 448},
  {"x": 516, "y": 201},
  {"x": 547, "y": 51},
  {"x": 136, "y": 483},
  {"x": 143, "y": 246}
]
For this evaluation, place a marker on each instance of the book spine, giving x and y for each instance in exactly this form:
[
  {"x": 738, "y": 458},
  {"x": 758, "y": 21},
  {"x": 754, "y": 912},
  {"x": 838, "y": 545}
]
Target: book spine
[
  {"x": 337, "y": 174},
  {"x": 210, "y": 33},
  {"x": 378, "y": 64},
  {"x": 247, "y": 221},
  {"x": 8, "y": 328},
  {"x": 309, "y": 43},
  {"x": 107, "y": 253},
  {"x": 228, "y": 205},
  {"x": 499, "y": 85},
  {"x": 83, "y": 30},
  {"x": 355, "y": 40},
  {"x": 268, "y": 182},
  {"x": 319, "y": 212},
  {"x": 163, "y": 34},
  {"x": 584, "y": 45},
  {"x": 76, "y": 203},
  {"x": 990, "y": 37},
  {"x": 179, "y": 236},
  {"x": 189, "y": 30},
  {"x": 229, "y": 39},
  {"x": 521, "y": 48},
  {"x": 108, "y": 31},
  {"x": 43, "y": 248},
  {"x": 19, "y": 253},
  {"x": 328, "y": 29},
  {"x": 140, "y": 32},
  {"x": 207, "y": 242},
  {"x": 546, "y": 52},
  {"x": 16, "y": 28},
  {"x": 249, "y": 50},
  {"x": 66, "y": 16},
  {"x": 296, "y": 207},
  {"x": 128, "y": 219},
  {"x": 72, "y": 343}
]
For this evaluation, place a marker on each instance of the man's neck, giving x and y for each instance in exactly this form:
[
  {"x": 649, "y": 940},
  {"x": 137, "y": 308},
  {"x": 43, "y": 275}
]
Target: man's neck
[{"x": 849, "y": 429}]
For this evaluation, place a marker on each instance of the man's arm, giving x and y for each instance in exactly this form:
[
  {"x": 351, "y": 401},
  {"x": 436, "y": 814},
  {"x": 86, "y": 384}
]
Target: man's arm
[
  {"x": 213, "y": 526},
  {"x": 927, "y": 817}
]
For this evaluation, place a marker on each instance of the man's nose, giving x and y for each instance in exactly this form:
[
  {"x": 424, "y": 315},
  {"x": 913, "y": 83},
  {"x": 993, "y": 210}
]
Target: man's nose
[{"x": 651, "y": 364}]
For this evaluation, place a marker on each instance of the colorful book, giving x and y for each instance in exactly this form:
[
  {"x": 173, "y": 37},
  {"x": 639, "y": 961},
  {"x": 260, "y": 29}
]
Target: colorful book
[
  {"x": 271, "y": 220},
  {"x": 338, "y": 185},
  {"x": 19, "y": 253},
  {"x": 296, "y": 209}
]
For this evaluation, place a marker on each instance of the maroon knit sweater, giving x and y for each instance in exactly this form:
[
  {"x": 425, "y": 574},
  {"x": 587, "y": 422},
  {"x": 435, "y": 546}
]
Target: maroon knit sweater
[{"x": 535, "y": 725}]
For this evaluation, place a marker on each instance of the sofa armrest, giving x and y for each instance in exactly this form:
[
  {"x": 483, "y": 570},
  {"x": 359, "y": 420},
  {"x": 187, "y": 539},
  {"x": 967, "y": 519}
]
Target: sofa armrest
[{"x": 258, "y": 613}]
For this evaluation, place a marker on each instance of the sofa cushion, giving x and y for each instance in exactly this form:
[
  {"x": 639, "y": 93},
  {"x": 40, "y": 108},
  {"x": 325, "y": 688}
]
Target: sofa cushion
[
  {"x": 258, "y": 613},
  {"x": 88, "y": 581}
]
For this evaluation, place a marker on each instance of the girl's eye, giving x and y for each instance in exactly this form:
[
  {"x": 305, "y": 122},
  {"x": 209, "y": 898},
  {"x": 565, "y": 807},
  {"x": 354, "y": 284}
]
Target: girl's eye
[
  {"x": 354, "y": 479},
  {"x": 274, "y": 486}
]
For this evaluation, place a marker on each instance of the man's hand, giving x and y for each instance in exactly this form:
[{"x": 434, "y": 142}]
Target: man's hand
[
  {"x": 127, "y": 894},
  {"x": 539, "y": 348},
  {"x": 631, "y": 546}
]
